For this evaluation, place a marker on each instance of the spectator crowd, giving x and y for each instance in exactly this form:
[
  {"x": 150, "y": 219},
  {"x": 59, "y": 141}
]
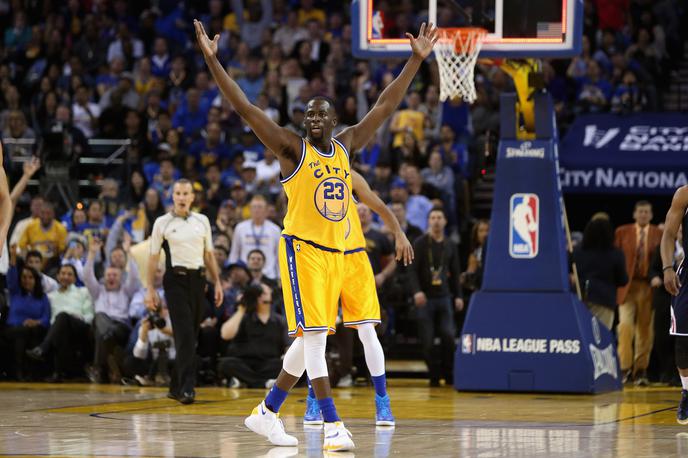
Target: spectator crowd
[{"x": 80, "y": 70}]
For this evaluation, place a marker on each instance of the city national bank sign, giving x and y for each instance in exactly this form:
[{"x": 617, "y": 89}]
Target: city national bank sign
[{"x": 638, "y": 154}]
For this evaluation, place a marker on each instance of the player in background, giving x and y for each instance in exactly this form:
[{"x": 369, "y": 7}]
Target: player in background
[
  {"x": 675, "y": 283},
  {"x": 312, "y": 244},
  {"x": 360, "y": 304}
]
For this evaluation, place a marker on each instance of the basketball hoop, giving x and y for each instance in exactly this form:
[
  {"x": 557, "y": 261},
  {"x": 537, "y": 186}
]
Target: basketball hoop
[{"x": 457, "y": 52}]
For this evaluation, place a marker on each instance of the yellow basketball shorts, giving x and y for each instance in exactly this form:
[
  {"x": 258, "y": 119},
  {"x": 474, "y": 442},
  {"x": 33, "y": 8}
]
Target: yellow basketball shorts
[
  {"x": 312, "y": 278},
  {"x": 360, "y": 303}
]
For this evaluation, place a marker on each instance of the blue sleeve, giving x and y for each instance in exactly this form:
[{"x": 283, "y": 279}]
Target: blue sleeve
[
  {"x": 45, "y": 312},
  {"x": 178, "y": 118},
  {"x": 13, "y": 281}
]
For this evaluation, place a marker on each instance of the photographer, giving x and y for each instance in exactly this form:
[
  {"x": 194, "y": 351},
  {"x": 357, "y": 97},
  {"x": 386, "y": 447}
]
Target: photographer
[
  {"x": 154, "y": 351},
  {"x": 258, "y": 340}
]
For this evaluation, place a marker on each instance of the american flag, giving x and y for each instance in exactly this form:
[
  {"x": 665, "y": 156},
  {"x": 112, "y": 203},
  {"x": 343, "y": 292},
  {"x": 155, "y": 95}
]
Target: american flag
[{"x": 549, "y": 29}]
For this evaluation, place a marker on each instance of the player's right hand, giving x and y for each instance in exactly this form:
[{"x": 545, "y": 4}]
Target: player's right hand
[
  {"x": 671, "y": 282},
  {"x": 420, "y": 299},
  {"x": 208, "y": 47}
]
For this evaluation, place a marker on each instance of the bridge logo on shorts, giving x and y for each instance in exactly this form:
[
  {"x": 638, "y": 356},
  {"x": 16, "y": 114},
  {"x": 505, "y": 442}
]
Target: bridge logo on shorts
[
  {"x": 332, "y": 198},
  {"x": 524, "y": 225}
]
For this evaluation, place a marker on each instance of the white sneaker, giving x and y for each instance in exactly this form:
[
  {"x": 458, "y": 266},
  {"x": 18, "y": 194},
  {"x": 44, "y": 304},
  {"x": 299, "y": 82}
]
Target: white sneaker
[
  {"x": 337, "y": 438},
  {"x": 267, "y": 423}
]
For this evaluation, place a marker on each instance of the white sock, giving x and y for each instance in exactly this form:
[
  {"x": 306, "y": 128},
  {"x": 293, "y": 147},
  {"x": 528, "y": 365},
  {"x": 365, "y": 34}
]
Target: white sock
[
  {"x": 684, "y": 382},
  {"x": 374, "y": 355}
]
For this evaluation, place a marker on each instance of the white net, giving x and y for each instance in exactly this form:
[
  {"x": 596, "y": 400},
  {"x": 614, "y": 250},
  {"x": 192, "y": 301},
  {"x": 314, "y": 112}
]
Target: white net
[{"x": 457, "y": 52}]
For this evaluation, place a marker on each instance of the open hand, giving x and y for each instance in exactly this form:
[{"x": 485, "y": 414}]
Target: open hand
[
  {"x": 219, "y": 294},
  {"x": 96, "y": 245},
  {"x": 671, "y": 282},
  {"x": 208, "y": 46},
  {"x": 404, "y": 249},
  {"x": 427, "y": 37},
  {"x": 31, "y": 166}
]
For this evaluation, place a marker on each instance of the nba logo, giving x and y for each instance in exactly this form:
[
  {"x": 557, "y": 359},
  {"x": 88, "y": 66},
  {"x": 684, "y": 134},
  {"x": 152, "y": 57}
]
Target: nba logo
[
  {"x": 467, "y": 344},
  {"x": 524, "y": 225},
  {"x": 377, "y": 25}
]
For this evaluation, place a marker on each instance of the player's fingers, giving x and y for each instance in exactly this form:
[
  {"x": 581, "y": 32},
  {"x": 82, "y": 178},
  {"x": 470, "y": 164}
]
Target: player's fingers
[
  {"x": 410, "y": 37},
  {"x": 200, "y": 24},
  {"x": 216, "y": 38},
  {"x": 429, "y": 29},
  {"x": 422, "y": 30}
]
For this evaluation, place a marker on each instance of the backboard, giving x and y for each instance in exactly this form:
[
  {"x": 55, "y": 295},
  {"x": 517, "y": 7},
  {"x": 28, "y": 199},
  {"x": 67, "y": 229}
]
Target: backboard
[{"x": 516, "y": 28}]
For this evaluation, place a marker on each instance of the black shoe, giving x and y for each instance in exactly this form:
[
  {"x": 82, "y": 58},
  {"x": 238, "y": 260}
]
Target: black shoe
[
  {"x": 95, "y": 375},
  {"x": 187, "y": 398},
  {"x": 36, "y": 353},
  {"x": 641, "y": 379},
  {"x": 173, "y": 396},
  {"x": 682, "y": 411}
]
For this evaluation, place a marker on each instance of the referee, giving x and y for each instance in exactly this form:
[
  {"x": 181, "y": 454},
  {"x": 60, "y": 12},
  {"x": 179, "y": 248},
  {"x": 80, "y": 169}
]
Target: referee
[{"x": 186, "y": 238}]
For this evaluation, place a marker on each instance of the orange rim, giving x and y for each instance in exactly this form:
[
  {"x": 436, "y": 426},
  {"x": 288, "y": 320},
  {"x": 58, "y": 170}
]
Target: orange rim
[{"x": 465, "y": 34}]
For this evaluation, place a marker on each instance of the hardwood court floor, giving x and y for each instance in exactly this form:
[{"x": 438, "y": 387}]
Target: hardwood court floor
[{"x": 114, "y": 421}]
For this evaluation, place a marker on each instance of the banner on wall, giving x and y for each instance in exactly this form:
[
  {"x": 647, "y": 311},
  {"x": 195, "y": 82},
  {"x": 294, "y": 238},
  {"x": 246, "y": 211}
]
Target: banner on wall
[{"x": 634, "y": 154}]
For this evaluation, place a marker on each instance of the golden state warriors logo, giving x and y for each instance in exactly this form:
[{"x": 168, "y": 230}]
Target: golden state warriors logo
[{"x": 332, "y": 198}]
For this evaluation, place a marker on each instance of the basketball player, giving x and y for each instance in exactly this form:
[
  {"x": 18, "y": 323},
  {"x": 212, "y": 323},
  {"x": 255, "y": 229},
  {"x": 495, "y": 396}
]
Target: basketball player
[
  {"x": 5, "y": 209},
  {"x": 317, "y": 180},
  {"x": 360, "y": 304},
  {"x": 675, "y": 284}
]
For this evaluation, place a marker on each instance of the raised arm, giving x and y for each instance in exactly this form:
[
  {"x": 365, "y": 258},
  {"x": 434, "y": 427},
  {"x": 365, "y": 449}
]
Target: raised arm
[
  {"x": 115, "y": 233},
  {"x": 404, "y": 249},
  {"x": 230, "y": 328},
  {"x": 90, "y": 279},
  {"x": 285, "y": 144},
  {"x": 668, "y": 246},
  {"x": 30, "y": 168},
  {"x": 6, "y": 207},
  {"x": 133, "y": 282},
  {"x": 359, "y": 134}
]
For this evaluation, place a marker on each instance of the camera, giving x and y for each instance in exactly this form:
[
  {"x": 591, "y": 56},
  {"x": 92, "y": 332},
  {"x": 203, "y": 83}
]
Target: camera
[{"x": 156, "y": 321}]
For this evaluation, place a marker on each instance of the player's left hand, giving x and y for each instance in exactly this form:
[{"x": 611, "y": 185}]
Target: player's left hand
[
  {"x": 219, "y": 294},
  {"x": 427, "y": 37},
  {"x": 404, "y": 248},
  {"x": 458, "y": 304}
]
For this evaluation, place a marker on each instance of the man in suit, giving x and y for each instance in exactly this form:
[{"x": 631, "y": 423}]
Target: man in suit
[{"x": 637, "y": 241}]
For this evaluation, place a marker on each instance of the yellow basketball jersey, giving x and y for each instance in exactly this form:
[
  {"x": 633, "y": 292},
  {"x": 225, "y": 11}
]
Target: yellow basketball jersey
[
  {"x": 319, "y": 194},
  {"x": 354, "y": 232}
]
